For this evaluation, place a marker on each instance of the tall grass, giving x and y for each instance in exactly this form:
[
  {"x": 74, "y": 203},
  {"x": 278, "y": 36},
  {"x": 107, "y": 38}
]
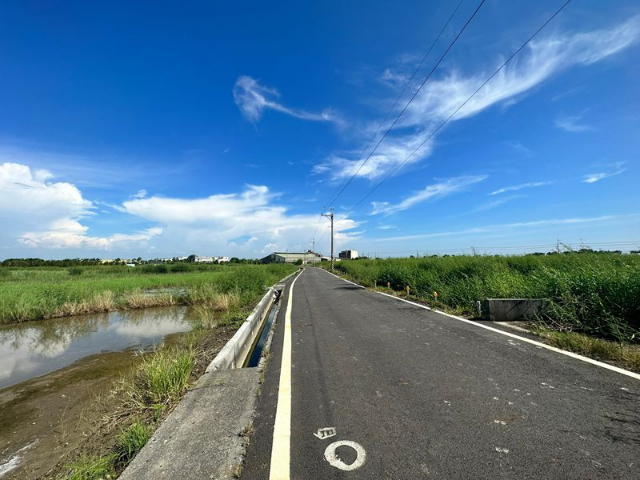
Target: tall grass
[
  {"x": 92, "y": 468},
  {"x": 595, "y": 293},
  {"x": 46, "y": 292},
  {"x": 163, "y": 376}
]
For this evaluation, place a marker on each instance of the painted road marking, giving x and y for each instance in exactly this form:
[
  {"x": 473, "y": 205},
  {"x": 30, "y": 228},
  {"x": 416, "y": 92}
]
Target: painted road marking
[
  {"x": 333, "y": 459},
  {"x": 512, "y": 335},
  {"x": 326, "y": 432},
  {"x": 281, "y": 448}
]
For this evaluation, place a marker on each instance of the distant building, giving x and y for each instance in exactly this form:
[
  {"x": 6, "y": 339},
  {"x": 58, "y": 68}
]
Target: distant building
[
  {"x": 222, "y": 259},
  {"x": 348, "y": 254},
  {"x": 286, "y": 257},
  {"x": 199, "y": 259}
]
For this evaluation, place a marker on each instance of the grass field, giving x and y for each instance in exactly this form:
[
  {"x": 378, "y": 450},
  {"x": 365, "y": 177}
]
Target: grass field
[
  {"x": 593, "y": 293},
  {"x": 47, "y": 292}
]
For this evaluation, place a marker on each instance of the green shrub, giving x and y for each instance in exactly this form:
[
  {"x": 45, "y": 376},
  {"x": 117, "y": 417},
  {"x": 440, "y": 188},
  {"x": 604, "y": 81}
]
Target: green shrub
[{"x": 75, "y": 271}]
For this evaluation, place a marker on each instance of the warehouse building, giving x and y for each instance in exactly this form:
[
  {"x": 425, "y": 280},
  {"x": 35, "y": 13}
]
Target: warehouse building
[{"x": 282, "y": 257}]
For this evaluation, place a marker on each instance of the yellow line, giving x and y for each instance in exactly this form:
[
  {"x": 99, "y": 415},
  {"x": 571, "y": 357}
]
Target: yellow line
[{"x": 281, "y": 449}]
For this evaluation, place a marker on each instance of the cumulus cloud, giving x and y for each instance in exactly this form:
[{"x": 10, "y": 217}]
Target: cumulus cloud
[
  {"x": 37, "y": 212},
  {"x": 431, "y": 192},
  {"x": 538, "y": 62},
  {"x": 515, "y": 188},
  {"x": 218, "y": 221},
  {"x": 617, "y": 169},
  {"x": 253, "y": 99}
]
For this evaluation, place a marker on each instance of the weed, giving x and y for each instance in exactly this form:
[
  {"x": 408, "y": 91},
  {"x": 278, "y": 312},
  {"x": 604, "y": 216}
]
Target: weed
[
  {"x": 627, "y": 356},
  {"x": 163, "y": 376},
  {"x": 92, "y": 468},
  {"x": 131, "y": 442}
]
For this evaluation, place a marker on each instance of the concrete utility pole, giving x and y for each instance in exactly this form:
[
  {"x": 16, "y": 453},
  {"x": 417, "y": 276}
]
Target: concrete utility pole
[{"x": 330, "y": 217}]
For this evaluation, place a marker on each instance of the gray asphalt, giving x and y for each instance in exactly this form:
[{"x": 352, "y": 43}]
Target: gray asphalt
[{"x": 428, "y": 396}]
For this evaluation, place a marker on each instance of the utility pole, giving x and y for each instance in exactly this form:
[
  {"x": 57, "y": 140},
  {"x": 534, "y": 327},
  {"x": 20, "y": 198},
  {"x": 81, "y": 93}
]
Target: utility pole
[
  {"x": 330, "y": 217},
  {"x": 313, "y": 249}
]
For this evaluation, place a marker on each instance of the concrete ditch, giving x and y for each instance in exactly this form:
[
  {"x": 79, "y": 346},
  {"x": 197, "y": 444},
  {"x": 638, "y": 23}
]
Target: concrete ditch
[{"x": 204, "y": 437}]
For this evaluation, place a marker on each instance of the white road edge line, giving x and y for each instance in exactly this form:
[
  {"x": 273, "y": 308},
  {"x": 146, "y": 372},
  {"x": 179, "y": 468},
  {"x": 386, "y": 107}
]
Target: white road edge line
[
  {"x": 281, "y": 448},
  {"x": 512, "y": 335}
]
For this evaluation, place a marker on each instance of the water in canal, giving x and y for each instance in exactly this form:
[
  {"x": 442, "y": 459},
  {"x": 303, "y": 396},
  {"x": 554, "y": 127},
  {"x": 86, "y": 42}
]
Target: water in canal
[
  {"x": 56, "y": 377},
  {"x": 32, "y": 349}
]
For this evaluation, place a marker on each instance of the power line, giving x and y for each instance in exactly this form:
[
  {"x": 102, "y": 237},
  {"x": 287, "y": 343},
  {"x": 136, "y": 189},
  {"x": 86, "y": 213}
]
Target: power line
[
  {"x": 461, "y": 106},
  {"x": 415, "y": 93},
  {"x": 334, "y": 197}
]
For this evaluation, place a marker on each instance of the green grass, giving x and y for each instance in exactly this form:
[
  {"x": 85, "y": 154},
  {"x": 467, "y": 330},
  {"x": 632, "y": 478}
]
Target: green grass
[
  {"x": 593, "y": 293},
  {"x": 626, "y": 356},
  {"x": 92, "y": 468},
  {"x": 131, "y": 442},
  {"x": 164, "y": 376},
  {"x": 47, "y": 292}
]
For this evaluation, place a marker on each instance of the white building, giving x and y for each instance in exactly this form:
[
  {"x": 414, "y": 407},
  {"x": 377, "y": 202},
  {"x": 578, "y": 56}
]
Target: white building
[
  {"x": 348, "y": 254},
  {"x": 222, "y": 259},
  {"x": 199, "y": 259}
]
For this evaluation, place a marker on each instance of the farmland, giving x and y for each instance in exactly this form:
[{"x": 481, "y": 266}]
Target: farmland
[{"x": 47, "y": 292}]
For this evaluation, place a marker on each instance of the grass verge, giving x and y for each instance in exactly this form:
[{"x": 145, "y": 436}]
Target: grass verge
[{"x": 620, "y": 354}]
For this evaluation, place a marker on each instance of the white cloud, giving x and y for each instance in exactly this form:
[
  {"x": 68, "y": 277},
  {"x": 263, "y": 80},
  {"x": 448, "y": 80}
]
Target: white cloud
[
  {"x": 572, "y": 124},
  {"x": 253, "y": 99},
  {"x": 214, "y": 223},
  {"x": 515, "y": 188},
  {"x": 140, "y": 194},
  {"x": 596, "y": 177},
  {"x": 387, "y": 157},
  {"x": 538, "y": 62},
  {"x": 43, "y": 214},
  {"x": 39, "y": 214},
  {"x": 431, "y": 192}
]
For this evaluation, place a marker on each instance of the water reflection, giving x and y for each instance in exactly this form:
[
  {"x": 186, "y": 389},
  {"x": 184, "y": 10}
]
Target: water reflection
[{"x": 32, "y": 349}]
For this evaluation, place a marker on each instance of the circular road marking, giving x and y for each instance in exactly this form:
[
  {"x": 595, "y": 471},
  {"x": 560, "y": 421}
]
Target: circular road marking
[{"x": 331, "y": 457}]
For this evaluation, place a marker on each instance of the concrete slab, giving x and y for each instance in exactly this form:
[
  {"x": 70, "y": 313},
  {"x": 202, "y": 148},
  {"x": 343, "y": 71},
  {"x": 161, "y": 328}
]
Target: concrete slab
[
  {"x": 202, "y": 438},
  {"x": 512, "y": 309}
]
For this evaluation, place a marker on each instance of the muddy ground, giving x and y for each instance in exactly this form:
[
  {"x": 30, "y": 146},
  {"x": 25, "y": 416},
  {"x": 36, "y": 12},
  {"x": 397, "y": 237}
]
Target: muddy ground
[{"x": 47, "y": 422}]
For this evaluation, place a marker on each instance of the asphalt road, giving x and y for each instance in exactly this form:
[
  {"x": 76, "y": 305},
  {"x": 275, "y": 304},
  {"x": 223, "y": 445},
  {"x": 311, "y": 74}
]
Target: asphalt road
[{"x": 428, "y": 396}]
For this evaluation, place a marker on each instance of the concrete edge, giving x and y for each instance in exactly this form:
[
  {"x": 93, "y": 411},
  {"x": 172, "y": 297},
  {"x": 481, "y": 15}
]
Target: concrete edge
[{"x": 237, "y": 350}]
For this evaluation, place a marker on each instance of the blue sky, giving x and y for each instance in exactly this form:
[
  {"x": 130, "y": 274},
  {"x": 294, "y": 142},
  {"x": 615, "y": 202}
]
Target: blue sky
[{"x": 144, "y": 129}]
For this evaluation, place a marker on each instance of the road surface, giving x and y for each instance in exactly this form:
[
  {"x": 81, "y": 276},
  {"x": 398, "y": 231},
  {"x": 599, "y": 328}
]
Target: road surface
[{"x": 424, "y": 395}]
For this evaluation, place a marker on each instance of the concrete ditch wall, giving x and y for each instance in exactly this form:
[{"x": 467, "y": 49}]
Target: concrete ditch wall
[
  {"x": 237, "y": 350},
  {"x": 203, "y": 436}
]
